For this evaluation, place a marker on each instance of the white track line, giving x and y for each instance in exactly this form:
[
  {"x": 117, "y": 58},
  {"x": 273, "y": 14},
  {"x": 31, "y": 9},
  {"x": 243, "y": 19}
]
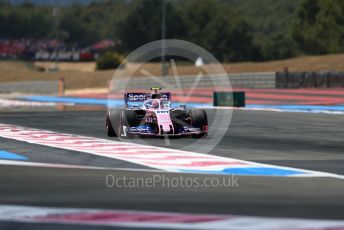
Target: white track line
[
  {"x": 150, "y": 156},
  {"x": 14, "y": 103},
  {"x": 70, "y": 166}
]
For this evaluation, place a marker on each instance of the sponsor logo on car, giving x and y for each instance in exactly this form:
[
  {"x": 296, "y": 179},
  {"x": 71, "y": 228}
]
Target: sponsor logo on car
[
  {"x": 164, "y": 96},
  {"x": 137, "y": 97},
  {"x": 162, "y": 111},
  {"x": 142, "y": 129},
  {"x": 191, "y": 129}
]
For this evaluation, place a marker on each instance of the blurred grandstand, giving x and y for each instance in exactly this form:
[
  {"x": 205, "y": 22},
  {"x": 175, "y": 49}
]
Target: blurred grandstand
[{"x": 50, "y": 49}]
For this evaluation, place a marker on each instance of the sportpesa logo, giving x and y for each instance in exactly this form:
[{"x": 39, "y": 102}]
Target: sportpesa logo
[{"x": 137, "y": 97}]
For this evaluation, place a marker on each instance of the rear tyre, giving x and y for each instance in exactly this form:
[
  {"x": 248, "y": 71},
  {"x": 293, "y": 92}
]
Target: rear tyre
[
  {"x": 199, "y": 120},
  {"x": 179, "y": 119}
]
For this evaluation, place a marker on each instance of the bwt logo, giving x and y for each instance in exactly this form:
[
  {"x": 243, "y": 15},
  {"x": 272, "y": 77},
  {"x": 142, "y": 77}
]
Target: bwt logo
[{"x": 162, "y": 111}]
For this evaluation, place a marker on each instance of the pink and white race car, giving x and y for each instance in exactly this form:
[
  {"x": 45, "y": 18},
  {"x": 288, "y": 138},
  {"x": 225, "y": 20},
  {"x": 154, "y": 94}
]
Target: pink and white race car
[{"x": 151, "y": 114}]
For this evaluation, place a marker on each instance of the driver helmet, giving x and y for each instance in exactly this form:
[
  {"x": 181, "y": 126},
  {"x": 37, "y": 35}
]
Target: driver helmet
[{"x": 155, "y": 104}]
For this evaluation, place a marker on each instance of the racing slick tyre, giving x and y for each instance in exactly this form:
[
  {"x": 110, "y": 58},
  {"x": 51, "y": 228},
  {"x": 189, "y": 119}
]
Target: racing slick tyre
[
  {"x": 128, "y": 119},
  {"x": 199, "y": 120},
  {"x": 109, "y": 129},
  {"x": 179, "y": 118},
  {"x": 113, "y": 123}
]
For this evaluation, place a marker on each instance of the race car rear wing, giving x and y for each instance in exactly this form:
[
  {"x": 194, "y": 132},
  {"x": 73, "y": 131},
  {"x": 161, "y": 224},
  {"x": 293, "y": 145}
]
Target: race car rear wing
[
  {"x": 141, "y": 97},
  {"x": 161, "y": 95},
  {"x": 136, "y": 97}
]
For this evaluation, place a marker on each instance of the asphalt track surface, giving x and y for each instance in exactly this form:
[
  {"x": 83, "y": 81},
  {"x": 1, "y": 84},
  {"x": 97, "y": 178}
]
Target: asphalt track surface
[{"x": 301, "y": 140}]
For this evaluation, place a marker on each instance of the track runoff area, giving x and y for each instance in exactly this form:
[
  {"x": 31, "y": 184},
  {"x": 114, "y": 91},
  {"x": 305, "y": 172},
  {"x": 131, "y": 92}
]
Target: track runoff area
[{"x": 271, "y": 171}]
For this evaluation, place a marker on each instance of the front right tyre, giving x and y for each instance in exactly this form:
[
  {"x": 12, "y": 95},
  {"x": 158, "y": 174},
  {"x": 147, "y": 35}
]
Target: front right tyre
[
  {"x": 113, "y": 123},
  {"x": 109, "y": 129},
  {"x": 199, "y": 120}
]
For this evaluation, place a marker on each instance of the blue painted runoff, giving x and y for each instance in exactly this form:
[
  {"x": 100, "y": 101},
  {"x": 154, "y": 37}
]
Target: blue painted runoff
[
  {"x": 90, "y": 101},
  {"x": 119, "y": 103},
  {"x": 251, "y": 171},
  {"x": 11, "y": 156},
  {"x": 71, "y": 100}
]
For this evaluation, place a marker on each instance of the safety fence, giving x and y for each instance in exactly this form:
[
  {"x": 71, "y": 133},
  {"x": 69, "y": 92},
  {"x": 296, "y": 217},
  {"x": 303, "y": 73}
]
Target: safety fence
[
  {"x": 294, "y": 80},
  {"x": 263, "y": 80},
  {"x": 237, "y": 80}
]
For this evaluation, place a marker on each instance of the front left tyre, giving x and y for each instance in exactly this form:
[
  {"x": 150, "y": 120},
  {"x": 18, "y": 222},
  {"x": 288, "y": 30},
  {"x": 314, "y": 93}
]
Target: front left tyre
[{"x": 199, "y": 120}]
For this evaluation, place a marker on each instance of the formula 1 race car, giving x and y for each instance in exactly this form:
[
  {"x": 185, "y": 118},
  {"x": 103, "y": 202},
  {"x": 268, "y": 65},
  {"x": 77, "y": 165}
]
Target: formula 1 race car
[{"x": 151, "y": 114}]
